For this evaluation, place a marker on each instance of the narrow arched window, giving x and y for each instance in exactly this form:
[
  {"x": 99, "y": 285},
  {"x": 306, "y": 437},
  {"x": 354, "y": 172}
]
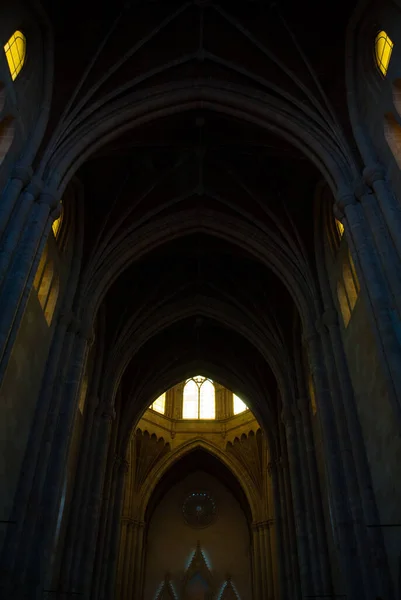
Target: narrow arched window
[
  {"x": 383, "y": 50},
  {"x": 159, "y": 405},
  {"x": 57, "y": 224},
  {"x": 46, "y": 283},
  {"x": 340, "y": 229},
  {"x": 199, "y": 399},
  {"x": 15, "y": 50},
  {"x": 347, "y": 288},
  {"x": 239, "y": 405}
]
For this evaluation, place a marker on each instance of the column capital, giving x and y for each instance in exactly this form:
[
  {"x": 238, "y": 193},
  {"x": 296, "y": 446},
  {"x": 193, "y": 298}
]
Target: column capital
[
  {"x": 372, "y": 173},
  {"x": 35, "y": 187},
  {"x": 330, "y": 317},
  {"x": 345, "y": 197},
  {"x": 22, "y": 173},
  {"x": 50, "y": 198}
]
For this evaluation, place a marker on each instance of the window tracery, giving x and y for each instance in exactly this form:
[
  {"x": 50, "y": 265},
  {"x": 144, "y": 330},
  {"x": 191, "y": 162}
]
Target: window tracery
[
  {"x": 199, "y": 399},
  {"x": 46, "y": 283},
  {"x": 15, "y": 50},
  {"x": 383, "y": 50}
]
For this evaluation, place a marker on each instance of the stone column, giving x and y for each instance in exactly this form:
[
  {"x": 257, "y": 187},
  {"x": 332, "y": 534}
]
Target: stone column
[
  {"x": 20, "y": 177},
  {"x": 121, "y": 470},
  {"x": 17, "y": 285},
  {"x": 285, "y": 550},
  {"x": 360, "y": 492},
  {"x": 105, "y": 416},
  {"x": 138, "y": 561},
  {"x": 267, "y": 561},
  {"x": 298, "y": 503},
  {"x": 126, "y": 546},
  {"x": 375, "y": 177},
  {"x": 256, "y": 562},
  {"x": 314, "y": 561},
  {"x": 344, "y": 531},
  {"x": 60, "y": 432},
  {"x": 350, "y": 212},
  {"x": 323, "y": 555},
  {"x": 76, "y": 517}
]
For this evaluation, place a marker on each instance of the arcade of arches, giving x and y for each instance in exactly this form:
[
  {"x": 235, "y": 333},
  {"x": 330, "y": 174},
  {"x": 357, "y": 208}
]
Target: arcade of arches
[{"x": 200, "y": 300}]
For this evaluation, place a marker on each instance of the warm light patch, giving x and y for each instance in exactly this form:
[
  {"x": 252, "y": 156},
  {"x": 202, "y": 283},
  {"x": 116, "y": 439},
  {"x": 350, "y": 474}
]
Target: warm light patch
[
  {"x": 239, "y": 405},
  {"x": 383, "y": 50},
  {"x": 340, "y": 228},
  {"x": 159, "y": 405},
  {"x": 15, "y": 50},
  {"x": 199, "y": 399},
  {"x": 56, "y": 226}
]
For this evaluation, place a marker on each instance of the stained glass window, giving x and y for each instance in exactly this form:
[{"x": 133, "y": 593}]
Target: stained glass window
[
  {"x": 159, "y": 405},
  {"x": 15, "y": 50},
  {"x": 239, "y": 405},
  {"x": 199, "y": 399},
  {"x": 383, "y": 50}
]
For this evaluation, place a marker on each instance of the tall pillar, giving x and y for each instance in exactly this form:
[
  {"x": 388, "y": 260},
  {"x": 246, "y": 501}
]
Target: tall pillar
[
  {"x": 111, "y": 564},
  {"x": 310, "y": 519},
  {"x": 18, "y": 271},
  {"x": 343, "y": 525},
  {"x": 350, "y": 212},
  {"x": 298, "y": 502},
  {"x": 256, "y": 562},
  {"x": 323, "y": 554},
  {"x": 90, "y": 531}
]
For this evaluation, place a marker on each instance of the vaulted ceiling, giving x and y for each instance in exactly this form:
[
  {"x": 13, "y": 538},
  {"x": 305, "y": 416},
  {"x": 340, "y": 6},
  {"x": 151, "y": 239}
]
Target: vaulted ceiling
[{"x": 198, "y": 220}]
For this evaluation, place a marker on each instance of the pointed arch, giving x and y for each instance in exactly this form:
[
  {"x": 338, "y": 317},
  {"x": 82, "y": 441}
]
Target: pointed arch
[{"x": 168, "y": 462}]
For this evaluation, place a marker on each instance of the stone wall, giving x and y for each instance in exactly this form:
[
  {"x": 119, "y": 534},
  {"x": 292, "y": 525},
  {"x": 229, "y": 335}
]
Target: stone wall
[{"x": 172, "y": 543}]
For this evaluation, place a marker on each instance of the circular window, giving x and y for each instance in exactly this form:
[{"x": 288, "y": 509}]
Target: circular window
[{"x": 199, "y": 509}]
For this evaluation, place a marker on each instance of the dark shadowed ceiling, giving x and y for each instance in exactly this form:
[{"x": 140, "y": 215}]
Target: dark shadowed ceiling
[{"x": 201, "y": 299}]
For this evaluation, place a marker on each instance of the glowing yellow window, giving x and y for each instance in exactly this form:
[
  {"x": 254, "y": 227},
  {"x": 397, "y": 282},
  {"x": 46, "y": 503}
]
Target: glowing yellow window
[
  {"x": 15, "y": 50},
  {"x": 159, "y": 405},
  {"x": 340, "y": 228},
  {"x": 383, "y": 50}
]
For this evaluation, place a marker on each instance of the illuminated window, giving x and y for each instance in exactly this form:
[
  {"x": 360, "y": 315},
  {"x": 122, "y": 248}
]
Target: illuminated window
[
  {"x": 348, "y": 289},
  {"x": 15, "y": 50},
  {"x": 340, "y": 228},
  {"x": 159, "y": 405},
  {"x": 46, "y": 283},
  {"x": 57, "y": 224},
  {"x": 199, "y": 399},
  {"x": 239, "y": 405},
  {"x": 383, "y": 50}
]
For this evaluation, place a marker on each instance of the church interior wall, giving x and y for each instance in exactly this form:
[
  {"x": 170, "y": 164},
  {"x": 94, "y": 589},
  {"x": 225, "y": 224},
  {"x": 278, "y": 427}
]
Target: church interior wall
[
  {"x": 22, "y": 381},
  {"x": 380, "y": 432},
  {"x": 171, "y": 542}
]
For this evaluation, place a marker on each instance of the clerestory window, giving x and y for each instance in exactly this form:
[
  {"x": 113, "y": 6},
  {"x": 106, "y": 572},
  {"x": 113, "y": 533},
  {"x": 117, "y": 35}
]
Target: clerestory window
[{"x": 199, "y": 399}]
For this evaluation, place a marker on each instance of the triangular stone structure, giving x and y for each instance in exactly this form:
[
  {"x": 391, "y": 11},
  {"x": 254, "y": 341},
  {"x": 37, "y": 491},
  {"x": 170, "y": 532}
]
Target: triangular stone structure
[
  {"x": 198, "y": 567},
  {"x": 229, "y": 592},
  {"x": 166, "y": 592}
]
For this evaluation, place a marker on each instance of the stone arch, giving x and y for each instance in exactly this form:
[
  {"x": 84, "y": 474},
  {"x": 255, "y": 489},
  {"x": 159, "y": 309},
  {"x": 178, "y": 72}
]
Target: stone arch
[
  {"x": 208, "y": 308},
  {"x": 172, "y": 458},
  {"x": 297, "y": 125}
]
